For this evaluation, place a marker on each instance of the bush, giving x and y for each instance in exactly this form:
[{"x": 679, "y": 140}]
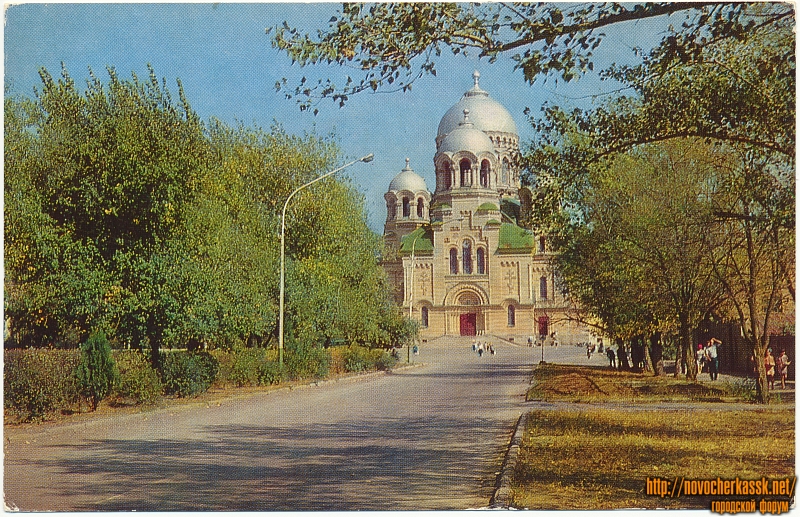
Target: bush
[
  {"x": 247, "y": 367},
  {"x": 337, "y": 365},
  {"x": 305, "y": 361},
  {"x": 38, "y": 381},
  {"x": 357, "y": 358},
  {"x": 97, "y": 374},
  {"x": 360, "y": 358},
  {"x": 188, "y": 373},
  {"x": 270, "y": 373},
  {"x": 384, "y": 360},
  {"x": 138, "y": 381}
]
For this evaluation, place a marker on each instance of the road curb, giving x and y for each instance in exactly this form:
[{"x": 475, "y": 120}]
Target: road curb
[
  {"x": 502, "y": 494},
  {"x": 354, "y": 377}
]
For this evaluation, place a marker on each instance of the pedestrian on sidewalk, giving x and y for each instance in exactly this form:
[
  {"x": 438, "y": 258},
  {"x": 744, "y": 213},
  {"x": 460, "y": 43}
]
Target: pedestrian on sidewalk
[
  {"x": 712, "y": 357},
  {"x": 700, "y": 358},
  {"x": 612, "y": 359},
  {"x": 782, "y": 366},
  {"x": 769, "y": 366}
]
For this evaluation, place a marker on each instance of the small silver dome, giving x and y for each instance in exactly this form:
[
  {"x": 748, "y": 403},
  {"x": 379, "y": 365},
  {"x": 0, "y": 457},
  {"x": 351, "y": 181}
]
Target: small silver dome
[
  {"x": 408, "y": 180},
  {"x": 486, "y": 113},
  {"x": 466, "y": 137}
]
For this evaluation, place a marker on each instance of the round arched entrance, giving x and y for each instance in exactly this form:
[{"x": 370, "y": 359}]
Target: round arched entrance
[{"x": 469, "y": 304}]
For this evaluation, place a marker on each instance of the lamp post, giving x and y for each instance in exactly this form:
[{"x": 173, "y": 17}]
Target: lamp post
[
  {"x": 411, "y": 289},
  {"x": 365, "y": 159}
]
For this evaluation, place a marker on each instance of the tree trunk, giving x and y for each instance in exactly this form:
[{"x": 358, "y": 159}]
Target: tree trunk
[
  {"x": 657, "y": 355},
  {"x": 687, "y": 350},
  {"x": 762, "y": 390},
  {"x": 155, "y": 335},
  {"x": 622, "y": 356}
]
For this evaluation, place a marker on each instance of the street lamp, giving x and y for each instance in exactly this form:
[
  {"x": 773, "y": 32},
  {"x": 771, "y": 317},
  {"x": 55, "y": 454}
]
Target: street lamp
[
  {"x": 411, "y": 288},
  {"x": 365, "y": 159}
]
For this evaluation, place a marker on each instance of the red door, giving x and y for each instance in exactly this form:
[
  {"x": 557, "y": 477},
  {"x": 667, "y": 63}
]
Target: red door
[{"x": 468, "y": 324}]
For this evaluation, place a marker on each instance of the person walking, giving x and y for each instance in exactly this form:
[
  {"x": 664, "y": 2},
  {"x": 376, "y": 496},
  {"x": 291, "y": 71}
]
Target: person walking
[
  {"x": 612, "y": 359},
  {"x": 769, "y": 366},
  {"x": 712, "y": 357},
  {"x": 700, "y": 357},
  {"x": 782, "y": 367}
]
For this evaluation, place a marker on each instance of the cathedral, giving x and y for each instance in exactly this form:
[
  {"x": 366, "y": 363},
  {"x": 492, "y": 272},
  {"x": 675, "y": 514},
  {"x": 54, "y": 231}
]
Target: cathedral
[{"x": 457, "y": 259}]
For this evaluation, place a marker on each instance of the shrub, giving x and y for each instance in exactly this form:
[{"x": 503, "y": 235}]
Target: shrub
[
  {"x": 270, "y": 373},
  {"x": 357, "y": 358},
  {"x": 96, "y": 372},
  {"x": 188, "y": 373},
  {"x": 138, "y": 381},
  {"x": 384, "y": 360},
  {"x": 304, "y": 361},
  {"x": 337, "y": 365},
  {"x": 247, "y": 367},
  {"x": 38, "y": 381}
]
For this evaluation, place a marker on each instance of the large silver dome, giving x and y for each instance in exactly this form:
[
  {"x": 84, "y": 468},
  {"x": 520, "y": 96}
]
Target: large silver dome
[
  {"x": 408, "y": 180},
  {"x": 486, "y": 113}
]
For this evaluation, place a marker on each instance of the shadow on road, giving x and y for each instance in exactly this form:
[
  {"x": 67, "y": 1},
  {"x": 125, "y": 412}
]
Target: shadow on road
[{"x": 351, "y": 466}]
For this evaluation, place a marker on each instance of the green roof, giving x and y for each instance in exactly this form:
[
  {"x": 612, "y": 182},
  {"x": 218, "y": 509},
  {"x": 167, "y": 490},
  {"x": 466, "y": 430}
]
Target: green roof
[
  {"x": 488, "y": 206},
  {"x": 423, "y": 245},
  {"x": 514, "y": 239},
  {"x": 510, "y": 208}
]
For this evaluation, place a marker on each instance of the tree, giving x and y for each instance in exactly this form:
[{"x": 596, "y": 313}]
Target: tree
[
  {"x": 639, "y": 260},
  {"x": 109, "y": 172},
  {"x": 97, "y": 373},
  {"x": 752, "y": 243},
  {"x": 126, "y": 213},
  {"x": 391, "y": 45}
]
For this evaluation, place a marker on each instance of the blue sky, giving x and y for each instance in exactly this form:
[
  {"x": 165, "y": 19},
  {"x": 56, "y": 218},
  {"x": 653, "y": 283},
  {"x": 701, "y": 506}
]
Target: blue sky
[{"x": 228, "y": 68}]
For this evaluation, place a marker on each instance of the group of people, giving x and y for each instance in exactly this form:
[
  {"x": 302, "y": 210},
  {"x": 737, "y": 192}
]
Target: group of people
[
  {"x": 708, "y": 356},
  {"x": 773, "y": 366},
  {"x": 482, "y": 348}
]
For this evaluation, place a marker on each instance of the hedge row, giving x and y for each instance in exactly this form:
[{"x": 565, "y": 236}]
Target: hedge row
[{"x": 40, "y": 381}]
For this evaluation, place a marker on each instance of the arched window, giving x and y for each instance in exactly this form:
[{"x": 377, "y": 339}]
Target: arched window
[
  {"x": 420, "y": 208},
  {"x": 467, "y": 257},
  {"x": 485, "y": 174},
  {"x": 505, "y": 170},
  {"x": 406, "y": 207},
  {"x": 543, "y": 288},
  {"x": 453, "y": 261},
  {"x": 541, "y": 244},
  {"x": 481, "y": 261},
  {"x": 447, "y": 176},
  {"x": 512, "y": 316},
  {"x": 466, "y": 172},
  {"x": 424, "y": 315}
]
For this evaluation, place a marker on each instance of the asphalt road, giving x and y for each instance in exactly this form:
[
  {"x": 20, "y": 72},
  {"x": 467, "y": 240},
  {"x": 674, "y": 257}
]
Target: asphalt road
[{"x": 431, "y": 437}]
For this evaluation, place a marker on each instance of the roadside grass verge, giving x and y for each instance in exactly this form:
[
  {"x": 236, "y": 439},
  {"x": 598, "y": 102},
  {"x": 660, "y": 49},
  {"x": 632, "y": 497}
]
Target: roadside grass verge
[
  {"x": 601, "y": 459},
  {"x": 569, "y": 383}
]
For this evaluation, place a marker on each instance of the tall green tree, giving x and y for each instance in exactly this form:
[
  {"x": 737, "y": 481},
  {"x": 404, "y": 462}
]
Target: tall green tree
[
  {"x": 109, "y": 171},
  {"x": 126, "y": 213},
  {"x": 640, "y": 260},
  {"x": 752, "y": 242}
]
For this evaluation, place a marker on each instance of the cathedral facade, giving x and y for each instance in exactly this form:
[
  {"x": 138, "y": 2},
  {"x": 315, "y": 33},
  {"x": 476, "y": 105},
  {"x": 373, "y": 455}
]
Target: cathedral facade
[{"x": 457, "y": 259}]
